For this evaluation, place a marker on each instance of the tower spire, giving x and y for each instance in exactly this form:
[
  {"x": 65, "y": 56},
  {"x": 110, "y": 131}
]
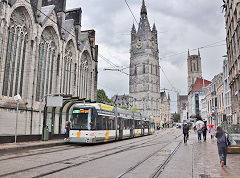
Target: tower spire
[
  {"x": 144, "y": 9},
  {"x": 154, "y": 29},
  {"x": 133, "y": 29},
  {"x": 198, "y": 52}
]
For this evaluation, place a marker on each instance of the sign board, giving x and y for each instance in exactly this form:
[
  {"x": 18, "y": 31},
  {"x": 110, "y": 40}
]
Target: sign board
[
  {"x": 106, "y": 107},
  {"x": 54, "y": 101}
]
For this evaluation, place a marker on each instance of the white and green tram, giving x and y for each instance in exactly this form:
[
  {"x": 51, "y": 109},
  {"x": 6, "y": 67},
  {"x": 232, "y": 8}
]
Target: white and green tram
[{"x": 96, "y": 122}]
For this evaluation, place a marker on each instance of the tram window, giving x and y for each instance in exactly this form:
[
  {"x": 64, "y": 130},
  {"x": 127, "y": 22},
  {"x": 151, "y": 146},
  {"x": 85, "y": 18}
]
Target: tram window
[
  {"x": 93, "y": 123},
  {"x": 80, "y": 121},
  {"x": 125, "y": 124},
  {"x": 104, "y": 124},
  {"x": 99, "y": 123}
]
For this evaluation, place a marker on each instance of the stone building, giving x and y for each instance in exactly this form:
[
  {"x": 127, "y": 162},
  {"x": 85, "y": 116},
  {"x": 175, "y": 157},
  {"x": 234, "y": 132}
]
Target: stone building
[
  {"x": 123, "y": 101},
  {"x": 215, "y": 100},
  {"x": 194, "y": 72},
  {"x": 227, "y": 92},
  {"x": 144, "y": 79},
  {"x": 43, "y": 51},
  {"x": 182, "y": 101},
  {"x": 194, "y": 69},
  {"x": 232, "y": 14},
  {"x": 165, "y": 110},
  {"x": 195, "y": 97}
]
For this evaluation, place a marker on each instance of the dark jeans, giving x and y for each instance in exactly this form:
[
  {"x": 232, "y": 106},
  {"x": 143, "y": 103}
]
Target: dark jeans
[
  {"x": 199, "y": 136},
  {"x": 185, "y": 137},
  {"x": 222, "y": 151},
  {"x": 204, "y": 136},
  {"x": 67, "y": 134}
]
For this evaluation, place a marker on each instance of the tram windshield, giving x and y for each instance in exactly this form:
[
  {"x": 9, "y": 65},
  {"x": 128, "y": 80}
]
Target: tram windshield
[{"x": 80, "y": 119}]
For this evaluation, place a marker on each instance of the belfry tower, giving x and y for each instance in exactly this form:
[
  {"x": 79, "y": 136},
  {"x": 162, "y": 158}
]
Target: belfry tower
[
  {"x": 194, "y": 68},
  {"x": 144, "y": 79}
]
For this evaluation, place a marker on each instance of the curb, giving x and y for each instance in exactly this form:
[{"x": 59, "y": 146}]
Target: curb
[{"x": 29, "y": 147}]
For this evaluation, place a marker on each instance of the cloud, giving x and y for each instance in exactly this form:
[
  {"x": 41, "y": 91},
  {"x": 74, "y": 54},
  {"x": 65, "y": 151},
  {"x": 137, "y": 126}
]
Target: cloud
[{"x": 187, "y": 24}]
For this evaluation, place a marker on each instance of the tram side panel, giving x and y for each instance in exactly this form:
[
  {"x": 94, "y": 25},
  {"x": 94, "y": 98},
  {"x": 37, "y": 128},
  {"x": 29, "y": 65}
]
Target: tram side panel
[{"x": 92, "y": 136}]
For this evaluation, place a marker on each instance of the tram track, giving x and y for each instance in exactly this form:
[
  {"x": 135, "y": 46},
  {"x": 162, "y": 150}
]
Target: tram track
[
  {"x": 160, "y": 168},
  {"x": 36, "y": 152},
  {"x": 45, "y": 150},
  {"x": 91, "y": 157}
]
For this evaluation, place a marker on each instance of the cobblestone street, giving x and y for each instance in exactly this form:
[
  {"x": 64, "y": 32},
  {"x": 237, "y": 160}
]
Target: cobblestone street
[
  {"x": 140, "y": 157},
  {"x": 200, "y": 159}
]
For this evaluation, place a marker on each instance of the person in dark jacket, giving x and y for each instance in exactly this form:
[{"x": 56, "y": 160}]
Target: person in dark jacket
[
  {"x": 67, "y": 129},
  {"x": 222, "y": 144},
  {"x": 185, "y": 132},
  {"x": 204, "y": 132}
]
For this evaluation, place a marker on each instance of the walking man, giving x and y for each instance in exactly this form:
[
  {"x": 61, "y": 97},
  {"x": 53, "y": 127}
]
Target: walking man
[
  {"x": 204, "y": 132},
  {"x": 199, "y": 132},
  {"x": 185, "y": 132}
]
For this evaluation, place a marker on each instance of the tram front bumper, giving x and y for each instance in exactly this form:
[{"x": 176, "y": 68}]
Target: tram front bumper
[{"x": 82, "y": 139}]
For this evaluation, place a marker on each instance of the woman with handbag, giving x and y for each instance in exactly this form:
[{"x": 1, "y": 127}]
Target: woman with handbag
[{"x": 222, "y": 144}]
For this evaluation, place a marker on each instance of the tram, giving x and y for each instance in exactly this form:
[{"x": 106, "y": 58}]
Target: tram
[{"x": 96, "y": 122}]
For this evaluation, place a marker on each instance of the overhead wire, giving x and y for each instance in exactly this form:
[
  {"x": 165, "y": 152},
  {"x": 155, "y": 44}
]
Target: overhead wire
[{"x": 109, "y": 61}]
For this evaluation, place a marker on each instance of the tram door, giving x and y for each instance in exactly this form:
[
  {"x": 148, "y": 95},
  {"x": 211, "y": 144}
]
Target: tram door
[
  {"x": 131, "y": 128},
  {"x": 120, "y": 127}
]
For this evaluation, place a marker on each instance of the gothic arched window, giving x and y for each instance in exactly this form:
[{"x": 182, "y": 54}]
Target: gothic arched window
[
  {"x": 47, "y": 50},
  {"x": 69, "y": 68},
  {"x": 18, "y": 32},
  {"x": 84, "y": 75}
]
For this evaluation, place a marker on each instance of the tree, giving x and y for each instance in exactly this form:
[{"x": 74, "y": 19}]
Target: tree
[
  {"x": 102, "y": 97},
  {"x": 176, "y": 117},
  {"x": 124, "y": 107},
  {"x": 134, "y": 109}
]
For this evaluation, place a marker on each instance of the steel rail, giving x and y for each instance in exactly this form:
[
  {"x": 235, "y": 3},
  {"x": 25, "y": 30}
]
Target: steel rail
[
  {"x": 81, "y": 156},
  {"x": 145, "y": 159}
]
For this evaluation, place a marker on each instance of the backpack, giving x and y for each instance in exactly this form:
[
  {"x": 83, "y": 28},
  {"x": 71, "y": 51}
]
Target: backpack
[
  {"x": 222, "y": 139},
  {"x": 199, "y": 131}
]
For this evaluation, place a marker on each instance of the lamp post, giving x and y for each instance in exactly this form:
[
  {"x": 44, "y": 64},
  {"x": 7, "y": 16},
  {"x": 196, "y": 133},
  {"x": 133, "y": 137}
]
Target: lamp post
[{"x": 16, "y": 98}]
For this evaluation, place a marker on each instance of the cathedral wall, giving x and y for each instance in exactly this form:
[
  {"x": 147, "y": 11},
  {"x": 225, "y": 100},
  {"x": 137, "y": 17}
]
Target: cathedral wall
[{"x": 29, "y": 114}]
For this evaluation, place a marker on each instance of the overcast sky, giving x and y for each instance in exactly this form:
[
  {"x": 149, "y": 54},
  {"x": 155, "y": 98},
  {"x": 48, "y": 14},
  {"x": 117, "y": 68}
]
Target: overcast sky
[{"x": 181, "y": 25}]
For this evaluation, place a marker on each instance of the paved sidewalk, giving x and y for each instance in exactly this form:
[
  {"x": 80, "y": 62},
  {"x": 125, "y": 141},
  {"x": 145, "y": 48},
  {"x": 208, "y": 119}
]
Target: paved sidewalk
[
  {"x": 200, "y": 159},
  {"x": 15, "y": 147}
]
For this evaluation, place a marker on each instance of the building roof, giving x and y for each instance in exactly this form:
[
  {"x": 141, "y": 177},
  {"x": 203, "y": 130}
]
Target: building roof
[{"x": 200, "y": 84}]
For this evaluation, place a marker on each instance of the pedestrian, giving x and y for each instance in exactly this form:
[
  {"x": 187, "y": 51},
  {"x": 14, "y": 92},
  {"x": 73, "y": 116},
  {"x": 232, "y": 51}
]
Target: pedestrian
[
  {"x": 204, "y": 132},
  {"x": 222, "y": 144},
  {"x": 67, "y": 129},
  {"x": 185, "y": 132},
  {"x": 212, "y": 132},
  {"x": 195, "y": 128},
  {"x": 199, "y": 132}
]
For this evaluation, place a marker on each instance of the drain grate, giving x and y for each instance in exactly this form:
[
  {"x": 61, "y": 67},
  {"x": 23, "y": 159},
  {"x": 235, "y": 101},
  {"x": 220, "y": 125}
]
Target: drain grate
[{"x": 204, "y": 176}]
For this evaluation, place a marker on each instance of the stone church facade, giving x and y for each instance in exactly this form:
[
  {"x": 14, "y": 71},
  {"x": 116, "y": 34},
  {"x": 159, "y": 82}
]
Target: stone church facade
[
  {"x": 144, "y": 79},
  {"x": 43, "y": 51}
]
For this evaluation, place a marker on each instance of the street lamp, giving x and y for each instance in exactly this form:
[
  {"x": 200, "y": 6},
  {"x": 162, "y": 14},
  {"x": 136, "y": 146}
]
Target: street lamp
[{"x": 16, "y": 98}]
